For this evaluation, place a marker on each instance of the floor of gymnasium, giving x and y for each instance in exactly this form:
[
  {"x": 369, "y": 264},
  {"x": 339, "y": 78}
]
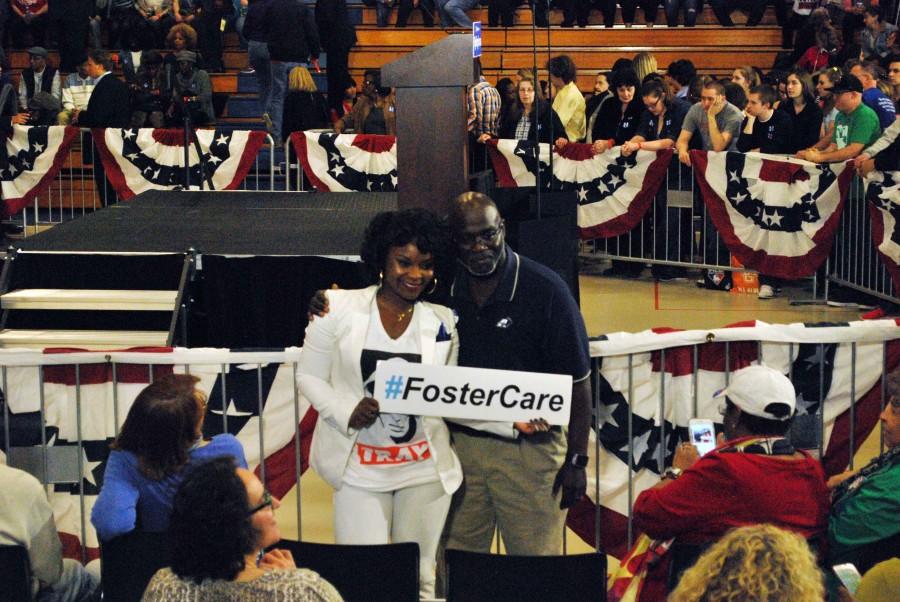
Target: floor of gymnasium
[{"x": 611, "y": 304}]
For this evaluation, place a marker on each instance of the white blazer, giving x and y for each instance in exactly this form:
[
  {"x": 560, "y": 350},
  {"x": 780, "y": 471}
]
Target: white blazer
[{"x": 331, "y": 379}]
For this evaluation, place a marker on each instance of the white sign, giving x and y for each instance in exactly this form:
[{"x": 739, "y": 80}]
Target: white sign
[
  {"x": 474, "y": 393},
  {"x": 476, "y": 39}
]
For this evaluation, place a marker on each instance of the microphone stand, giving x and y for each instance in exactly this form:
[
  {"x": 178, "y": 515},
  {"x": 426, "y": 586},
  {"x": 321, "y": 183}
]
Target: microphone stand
[{"x": 536, "y": 120}]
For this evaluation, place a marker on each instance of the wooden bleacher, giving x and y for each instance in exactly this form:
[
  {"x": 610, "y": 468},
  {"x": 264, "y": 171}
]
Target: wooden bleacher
[{"x": 713, "y": 49}]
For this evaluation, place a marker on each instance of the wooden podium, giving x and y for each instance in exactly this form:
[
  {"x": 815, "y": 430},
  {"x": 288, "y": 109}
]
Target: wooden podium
[{"x": 431, "y": 121}]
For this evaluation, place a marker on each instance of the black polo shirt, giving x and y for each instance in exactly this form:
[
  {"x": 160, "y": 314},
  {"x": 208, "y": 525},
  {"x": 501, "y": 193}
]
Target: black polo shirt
[{"x": 531, "y": 322}]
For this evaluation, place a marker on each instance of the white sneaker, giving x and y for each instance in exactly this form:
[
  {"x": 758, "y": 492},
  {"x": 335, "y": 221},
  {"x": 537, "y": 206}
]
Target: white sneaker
[{"x": 766, "y": 292}]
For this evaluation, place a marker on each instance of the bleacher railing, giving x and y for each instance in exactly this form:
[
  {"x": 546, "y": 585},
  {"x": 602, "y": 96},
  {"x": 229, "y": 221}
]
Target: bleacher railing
[{"x": 61, "y": 410}]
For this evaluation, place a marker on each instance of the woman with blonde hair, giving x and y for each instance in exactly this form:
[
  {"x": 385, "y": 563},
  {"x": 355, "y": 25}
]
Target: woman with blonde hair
[
  {"x": 760, "y": 562},
  {"x": 644, "y": 64},
  {"x": 304, "y": 106},
  {"x": 746, "y": 77}
]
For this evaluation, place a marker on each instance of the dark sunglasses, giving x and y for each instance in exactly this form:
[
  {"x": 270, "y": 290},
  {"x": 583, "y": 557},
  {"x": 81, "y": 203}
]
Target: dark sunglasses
[{"x": 267, "y": 500}]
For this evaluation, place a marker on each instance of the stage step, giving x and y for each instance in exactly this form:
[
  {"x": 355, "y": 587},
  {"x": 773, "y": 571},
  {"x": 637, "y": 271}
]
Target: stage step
[
  {"x": 89, "y": 299},
  {"x": 83, "y": 339}
]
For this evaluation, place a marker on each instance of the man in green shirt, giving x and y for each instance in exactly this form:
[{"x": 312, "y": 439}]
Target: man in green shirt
[{"x": 855, "y": 127}]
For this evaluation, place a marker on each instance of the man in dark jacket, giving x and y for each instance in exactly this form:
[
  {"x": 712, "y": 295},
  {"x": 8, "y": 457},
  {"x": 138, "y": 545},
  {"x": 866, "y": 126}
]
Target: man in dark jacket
[
  {"x": 292, "y": 39},
  {"x": 338, "y": 36},
  {"x": 108, "y": 107}
]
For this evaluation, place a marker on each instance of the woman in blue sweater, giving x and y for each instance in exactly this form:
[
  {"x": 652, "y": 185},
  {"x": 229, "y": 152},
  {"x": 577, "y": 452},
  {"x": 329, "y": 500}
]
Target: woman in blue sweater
[{"x": 159, "y": 442}]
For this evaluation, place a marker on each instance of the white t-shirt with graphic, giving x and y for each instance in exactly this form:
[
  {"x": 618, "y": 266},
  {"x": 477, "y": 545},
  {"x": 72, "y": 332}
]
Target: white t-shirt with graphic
[{"x": 393, "y": 452}]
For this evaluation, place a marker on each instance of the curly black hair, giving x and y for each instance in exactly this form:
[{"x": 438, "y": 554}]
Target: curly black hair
[
  {"x": 211, "y": 530},
  {"x": 625, "y": 78},
  {"x": 399, "y": 228}
]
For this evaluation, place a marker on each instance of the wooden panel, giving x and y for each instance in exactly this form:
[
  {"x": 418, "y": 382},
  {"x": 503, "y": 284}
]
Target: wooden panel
[
  {"x": 641, "y": 36},
  {"x": 224, "y": 82},
  {"x": 523, "y": 16}
]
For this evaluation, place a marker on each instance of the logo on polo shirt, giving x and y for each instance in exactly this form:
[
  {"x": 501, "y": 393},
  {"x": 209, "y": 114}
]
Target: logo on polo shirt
[{"x": 504, "y": 323}]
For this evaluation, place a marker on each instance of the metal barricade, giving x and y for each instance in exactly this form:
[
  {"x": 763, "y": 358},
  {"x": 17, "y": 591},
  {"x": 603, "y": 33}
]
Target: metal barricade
[
  {"x": 52, "y": 427},
  {"x": 54, "y": 430},
  {"x": 854, "y": 261},
  {"x": 676, "y": 231},
  {"x": 632, "y": 370}
]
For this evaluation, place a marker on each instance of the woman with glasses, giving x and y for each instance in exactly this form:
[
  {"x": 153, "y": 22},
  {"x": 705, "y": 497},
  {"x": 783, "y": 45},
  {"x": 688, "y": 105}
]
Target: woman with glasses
[
  {"x": 160, "y": 442},
  {"x": 222, "y": 522},
  {"x": 393, "y": 474},
  {"x": 530, "y": 114}
]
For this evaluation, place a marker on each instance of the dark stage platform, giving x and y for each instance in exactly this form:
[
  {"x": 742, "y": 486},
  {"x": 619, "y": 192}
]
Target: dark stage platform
[{"x": 222, "y": 223}]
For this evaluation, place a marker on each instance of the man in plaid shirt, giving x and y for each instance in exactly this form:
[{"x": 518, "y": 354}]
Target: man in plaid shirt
[{"x": 484, "y": 114}]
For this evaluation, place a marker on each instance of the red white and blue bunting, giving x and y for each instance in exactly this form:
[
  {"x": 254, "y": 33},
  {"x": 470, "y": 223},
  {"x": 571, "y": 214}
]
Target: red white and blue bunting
[
  {"x": 348, "y": 162},
  {"x": 883, "y": 197},
  {"x": 137, "y": 160},
  {"x": 36, "y": 155},
  {"x": 777, "y": 215},
  {"x": 614, "y": 192}
]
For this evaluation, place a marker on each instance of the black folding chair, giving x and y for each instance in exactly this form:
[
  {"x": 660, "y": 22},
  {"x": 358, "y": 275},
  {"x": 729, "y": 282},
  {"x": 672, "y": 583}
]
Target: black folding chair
[
  {"x": 496, "y": 577},
  {"x": 15, "y": 574},
  {"x": 129, "y": 561},
  {"x": 376, "y": 573}
]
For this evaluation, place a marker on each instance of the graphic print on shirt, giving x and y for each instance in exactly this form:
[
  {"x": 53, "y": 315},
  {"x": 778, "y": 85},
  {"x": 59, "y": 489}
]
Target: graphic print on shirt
[{"x": 374, "y": 443}]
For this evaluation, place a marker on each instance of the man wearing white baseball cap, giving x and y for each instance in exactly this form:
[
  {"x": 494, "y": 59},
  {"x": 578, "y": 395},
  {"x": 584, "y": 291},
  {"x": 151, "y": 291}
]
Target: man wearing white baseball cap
[{"x": 754, "y": 476}]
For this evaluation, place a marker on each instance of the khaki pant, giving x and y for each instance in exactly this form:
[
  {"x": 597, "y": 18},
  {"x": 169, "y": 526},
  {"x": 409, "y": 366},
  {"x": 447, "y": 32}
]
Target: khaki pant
[{"x": 507, "y": 483}]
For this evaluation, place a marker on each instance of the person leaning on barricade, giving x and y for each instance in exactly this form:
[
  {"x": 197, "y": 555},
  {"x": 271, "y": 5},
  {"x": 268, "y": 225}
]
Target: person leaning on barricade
[
  {"x": 160, "y": 441},
  {"x": 855, "y": 127},
  {"x": 883, "y": 155},
  {"x": 223, "y": 521},
  {"x": 754, "y": 476}
]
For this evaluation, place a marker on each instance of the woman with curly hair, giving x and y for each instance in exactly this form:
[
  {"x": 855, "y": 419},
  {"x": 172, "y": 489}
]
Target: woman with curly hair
[
  {"x": 222, "y": 521},
  {"x": 760, "y": 562},
  {"x": 392, "y": 474},
  {"x": 161, "y": 439}
]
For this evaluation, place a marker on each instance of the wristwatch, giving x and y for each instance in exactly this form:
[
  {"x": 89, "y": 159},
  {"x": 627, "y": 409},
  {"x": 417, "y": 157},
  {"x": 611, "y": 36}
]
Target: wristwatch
[
  {"x": 578, "y": 460},
  {"x": 672, "y": 473}
]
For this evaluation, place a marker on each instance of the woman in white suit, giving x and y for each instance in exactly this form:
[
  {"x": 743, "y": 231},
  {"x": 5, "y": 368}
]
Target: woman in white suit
[{"x": 393, "y": 474}]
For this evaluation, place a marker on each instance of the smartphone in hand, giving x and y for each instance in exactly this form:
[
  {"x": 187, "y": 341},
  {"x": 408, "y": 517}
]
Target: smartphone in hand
[{"x": 702, "y": 434}]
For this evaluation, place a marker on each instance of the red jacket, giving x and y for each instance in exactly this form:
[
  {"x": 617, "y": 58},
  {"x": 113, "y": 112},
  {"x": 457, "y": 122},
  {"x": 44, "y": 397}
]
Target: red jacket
[{"x": 724, "y": 490}]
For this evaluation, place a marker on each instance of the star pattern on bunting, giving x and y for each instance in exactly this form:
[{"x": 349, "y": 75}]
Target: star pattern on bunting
[
  {"x": 648, "y": 438},
  {"x": 24, "y": 158},
  {"x": 241, "y": 398},
  {"x": 173, "y": 175},
  {"x": 349, "y": 177},
  {"x": 782, "y": 218}
]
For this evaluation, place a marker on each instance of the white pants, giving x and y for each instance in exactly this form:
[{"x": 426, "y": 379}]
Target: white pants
[{"x": 414, "y": 514}]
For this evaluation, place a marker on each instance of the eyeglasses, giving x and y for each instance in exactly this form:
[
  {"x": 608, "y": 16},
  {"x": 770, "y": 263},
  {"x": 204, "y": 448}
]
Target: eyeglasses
[
  {"x": 653, "y": 104},
  {"x": 485, "y": 237},
  {"x": 267, "y": 501}
]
